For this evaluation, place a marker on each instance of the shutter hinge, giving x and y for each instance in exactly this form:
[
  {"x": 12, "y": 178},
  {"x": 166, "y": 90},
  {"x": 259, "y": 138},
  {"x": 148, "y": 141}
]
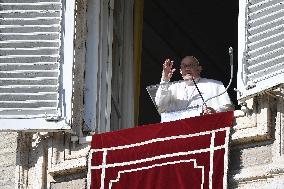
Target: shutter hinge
[
  {"x": 111, "y": 4},
  {"x": 250, "y": 85},
  {"x": 238, "y": 91},
  {"x": 54, "y": 118}
]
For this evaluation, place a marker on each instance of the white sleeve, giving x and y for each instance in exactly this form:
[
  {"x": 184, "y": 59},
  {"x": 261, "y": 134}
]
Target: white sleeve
[{"x": 163, "y": 96}]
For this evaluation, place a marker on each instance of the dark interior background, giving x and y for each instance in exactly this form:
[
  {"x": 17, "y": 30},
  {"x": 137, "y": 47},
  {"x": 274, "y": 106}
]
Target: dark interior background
[{"x": 174, "y": 29}]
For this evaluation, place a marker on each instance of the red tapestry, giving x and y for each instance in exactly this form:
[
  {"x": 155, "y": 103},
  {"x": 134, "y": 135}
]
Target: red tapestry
[{"x": 188, "y": 153}]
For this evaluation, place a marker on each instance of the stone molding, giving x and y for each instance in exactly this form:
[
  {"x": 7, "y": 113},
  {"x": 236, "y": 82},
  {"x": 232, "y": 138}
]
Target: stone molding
[
  {"x": 256, "y": 124},
  {"x": 62, "y": 158}
]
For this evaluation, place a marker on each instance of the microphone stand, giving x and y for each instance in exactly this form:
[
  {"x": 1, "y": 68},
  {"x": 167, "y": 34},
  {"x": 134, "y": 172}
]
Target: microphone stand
[{"x": 231, "y": 79}]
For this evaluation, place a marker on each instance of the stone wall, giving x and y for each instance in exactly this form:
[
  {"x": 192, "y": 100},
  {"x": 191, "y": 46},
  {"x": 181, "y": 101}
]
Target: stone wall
[
  {"x": 256, "y": 152},
  {"x": 8, "y": 149}
]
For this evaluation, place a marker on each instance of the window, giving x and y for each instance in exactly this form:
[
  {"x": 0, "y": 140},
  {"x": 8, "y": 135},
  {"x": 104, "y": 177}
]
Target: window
[
  {"x": 36, "y": 64},
  {"x": 261, "y": 46}
]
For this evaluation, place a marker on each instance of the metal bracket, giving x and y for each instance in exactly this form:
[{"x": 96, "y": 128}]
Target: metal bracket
[{"x": 238, "y": 91}]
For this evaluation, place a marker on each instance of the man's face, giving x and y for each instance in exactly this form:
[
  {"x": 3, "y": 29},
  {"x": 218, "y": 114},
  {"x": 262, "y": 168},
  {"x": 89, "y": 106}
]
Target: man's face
[{"x": 189, "y": 68}]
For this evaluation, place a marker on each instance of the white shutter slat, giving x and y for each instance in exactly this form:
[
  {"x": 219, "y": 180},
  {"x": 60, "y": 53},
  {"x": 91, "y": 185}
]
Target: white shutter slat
[
  {"x": 30, "y": 40},
  {"x": 27, "y": 66},
  {"x": 28, "y": 58},
  {"x": 34, "y": 21},
  {"x": 27, "y": 112},
  {"x": 27, "y": 104},
  {"x": 32, "y": 36},
  {"x": 27, "y": 89},
  {"x": 29, "y": 28},
  {"x": 29, "y": 15},
  {"x": 22, "y": 6},
  {"x": 28, "y": 52},
  {"x": 27, "y": 96},
  {"x": 28, "y": 73},
  {"x": 28, "y": 44}
]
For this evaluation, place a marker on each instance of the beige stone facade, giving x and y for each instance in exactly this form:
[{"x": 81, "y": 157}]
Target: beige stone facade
[
  {"x": 8, "y": 159},
  {"x": 256, "y": 152},
  {"x": 57, "y": 160}
]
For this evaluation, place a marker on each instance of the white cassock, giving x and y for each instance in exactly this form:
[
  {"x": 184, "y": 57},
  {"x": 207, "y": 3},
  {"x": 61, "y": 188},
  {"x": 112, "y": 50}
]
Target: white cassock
[{"x": 182, "y": 100}]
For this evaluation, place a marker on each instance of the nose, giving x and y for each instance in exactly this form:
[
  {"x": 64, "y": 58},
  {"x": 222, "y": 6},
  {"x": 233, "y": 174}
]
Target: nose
[{"x": 188, "y": 68}]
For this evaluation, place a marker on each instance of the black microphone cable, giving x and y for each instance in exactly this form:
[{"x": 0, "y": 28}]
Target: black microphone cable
[{"x": 204, "y": 102}]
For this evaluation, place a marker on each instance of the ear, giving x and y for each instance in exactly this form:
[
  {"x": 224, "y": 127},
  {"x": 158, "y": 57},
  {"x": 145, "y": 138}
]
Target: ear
[
  {"x": 200, "y": 69},
  {"x": 180, "y": 71}
]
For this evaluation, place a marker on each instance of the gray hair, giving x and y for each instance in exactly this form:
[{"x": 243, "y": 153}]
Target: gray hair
[{"x": 192, "y": 58}]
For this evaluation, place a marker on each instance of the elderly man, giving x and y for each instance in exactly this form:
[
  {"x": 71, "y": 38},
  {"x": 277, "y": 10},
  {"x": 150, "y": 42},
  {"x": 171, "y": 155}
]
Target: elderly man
[{"x": 186, "y": 99}]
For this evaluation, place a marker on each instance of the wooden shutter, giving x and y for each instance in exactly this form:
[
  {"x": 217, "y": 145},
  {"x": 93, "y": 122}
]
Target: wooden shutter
[
  {"x": 262, "y": 65},
  {"x": 32, "y": 34}
]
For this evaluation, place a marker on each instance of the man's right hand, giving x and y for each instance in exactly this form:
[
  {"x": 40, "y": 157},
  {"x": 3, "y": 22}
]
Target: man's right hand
[{"x": 168, "y": 70}]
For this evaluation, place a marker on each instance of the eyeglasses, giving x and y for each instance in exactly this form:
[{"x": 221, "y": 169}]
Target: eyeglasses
[{"x": 184, "y": 66}]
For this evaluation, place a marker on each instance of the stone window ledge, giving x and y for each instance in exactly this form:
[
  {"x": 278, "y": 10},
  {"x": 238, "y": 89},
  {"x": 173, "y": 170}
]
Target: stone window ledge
[{"x": 257, "y": 172}]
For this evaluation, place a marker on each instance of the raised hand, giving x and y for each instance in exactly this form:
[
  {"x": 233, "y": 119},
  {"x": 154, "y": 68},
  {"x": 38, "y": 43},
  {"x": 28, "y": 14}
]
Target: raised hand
[{"x": 168, "y": 70}]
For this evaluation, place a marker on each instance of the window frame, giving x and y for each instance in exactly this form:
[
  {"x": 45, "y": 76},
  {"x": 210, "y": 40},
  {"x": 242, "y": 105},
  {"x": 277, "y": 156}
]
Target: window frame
[{"x": 98, "y": 67}]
